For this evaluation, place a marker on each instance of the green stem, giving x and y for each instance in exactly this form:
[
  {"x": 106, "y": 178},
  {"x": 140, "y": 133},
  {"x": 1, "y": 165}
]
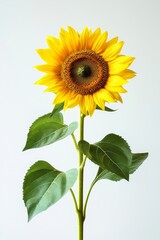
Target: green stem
[
  {"x": 80, "y": 183},
  {"x": 75, "y": 141},
  {"x": 74, "y": 199},
  {"x": 87, "y": 198},
  {"x": 84, "y": 161}
]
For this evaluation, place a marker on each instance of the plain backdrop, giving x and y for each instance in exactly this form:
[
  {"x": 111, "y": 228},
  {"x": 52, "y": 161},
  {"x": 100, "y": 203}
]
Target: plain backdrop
[{"x": 116, "y": 211}]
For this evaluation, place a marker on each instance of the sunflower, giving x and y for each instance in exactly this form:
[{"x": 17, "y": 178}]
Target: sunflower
[{"x": 84, "y": 69}]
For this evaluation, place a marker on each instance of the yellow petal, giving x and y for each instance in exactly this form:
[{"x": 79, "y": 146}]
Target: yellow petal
[
  {"x": 69, "y": 40},
  {"x": 47, "y": 68},
  {"x": 117, "y": 96},
  {"x": 82, "y": 106},
  {"x": 94, "y": 36},
  {"x": 87, "y": 105},
  {"x": 100, "y": 43},
  {"x": 119, "y": 89},
  {"x": 106, "y": 95},
  {"x": 85, "y": 39},
  {"x": 58, "y": 52},
  {"x": 61, "y": 96},
  {"x": 98, "y": 100},
  {"x": 73, "y": 100},
  {"x": 65, "y": 41},
  {"x": 46, "y": 55},
  {"x": 127, "y": 74},
  {"x": 55, "y": 87},
  {"x": 119, "y": 64},
  {"x": 112, "y": 51},
  {"x": 90, "y": 104},
  {"x": 115, "y": 80},
  {"x": 112, "y": 41},
  {"x": 46, "y": 80},
  {"x": 74, "y": 38},
  {"x": 53, "y": 42}
]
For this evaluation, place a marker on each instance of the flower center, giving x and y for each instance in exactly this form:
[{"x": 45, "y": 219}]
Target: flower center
[{"x": 85, "y": 72}]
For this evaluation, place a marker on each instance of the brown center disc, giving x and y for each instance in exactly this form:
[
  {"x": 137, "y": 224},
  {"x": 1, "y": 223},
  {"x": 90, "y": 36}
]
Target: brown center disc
[{"x": 85, "y": 72}]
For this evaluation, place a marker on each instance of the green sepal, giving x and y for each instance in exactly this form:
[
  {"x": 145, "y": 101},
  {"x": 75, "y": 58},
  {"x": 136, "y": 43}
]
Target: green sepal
[
  {"x": 44, "y": 185},
  {"x": 107, "y": 109},
  {"x": 112, "y": 153},
  {"x": 57, "y": 108},
  {"x": 47, "y": 130},
  {"x": 137, "y": 160}
]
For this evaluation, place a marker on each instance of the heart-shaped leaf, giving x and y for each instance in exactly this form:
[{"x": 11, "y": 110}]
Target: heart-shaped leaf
[
  {"x": 48, "y": 129},
  {"x": 112, "y": 153},
  {"x": 47, "y": 118},
  {"x": 44, "y": 185},
  {"x": 137, "y": 160}
]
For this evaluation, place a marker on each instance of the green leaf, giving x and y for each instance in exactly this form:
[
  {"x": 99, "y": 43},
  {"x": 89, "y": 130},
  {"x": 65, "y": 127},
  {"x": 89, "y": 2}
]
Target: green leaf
[
  {"x": 105, "y": 174},
  {"x": 47, "y": 130},
  {"x": 44, "y": 185},
  {"x": 107, "y": 109},
  {"x": 47, "y": 118},
  {"x": 112, "y": 153},
  {"x": 137, "y": 160},
  {"x": 57, "y": 108}
]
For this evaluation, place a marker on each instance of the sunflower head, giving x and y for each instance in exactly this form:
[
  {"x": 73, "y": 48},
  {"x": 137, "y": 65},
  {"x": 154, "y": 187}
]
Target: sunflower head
[{"x": 84, "y": 69}]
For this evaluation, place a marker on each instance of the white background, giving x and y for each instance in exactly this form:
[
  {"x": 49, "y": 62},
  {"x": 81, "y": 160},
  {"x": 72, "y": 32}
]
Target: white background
[{"x": 117, "y": 211}]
